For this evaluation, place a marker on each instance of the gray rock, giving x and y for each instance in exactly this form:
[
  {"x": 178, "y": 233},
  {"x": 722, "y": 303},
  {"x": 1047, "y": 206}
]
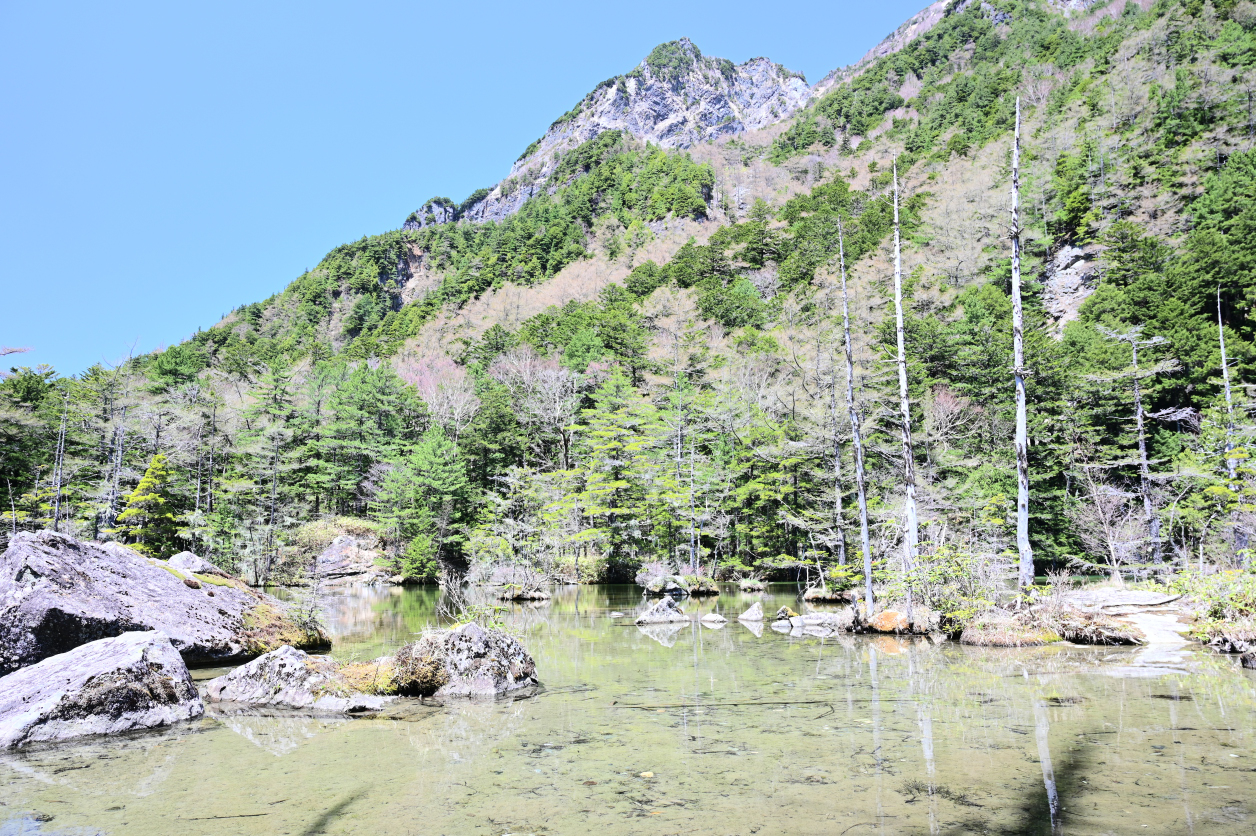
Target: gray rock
[
  {"x": 1072, "y": 276},
  {"x": 795, "y": 621},
  {"x": 483, "y": 663},
  {"x": 714, "y": 619},
  {"x": 1248, "y": 660},
  {"x": 664, "y": 611},
  {"x": 291, "y": 678},
  {"x": 133, "y": 681},
  {"x": 835, "y": 620},
  {"x": 57, "y": 593},
  {"x": 350, "y": 560},
  {"x": 755, "y": 613},
  {"x": 782, "y": 627},
  {"x": 1108, "y": 597},
  {"x": 189, "y": 563},
  {"x": 696, "y": 99}
]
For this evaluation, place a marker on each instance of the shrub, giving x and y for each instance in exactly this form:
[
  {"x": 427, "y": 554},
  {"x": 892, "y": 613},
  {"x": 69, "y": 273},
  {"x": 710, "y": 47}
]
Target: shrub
[{"x": 419, "y": 668}]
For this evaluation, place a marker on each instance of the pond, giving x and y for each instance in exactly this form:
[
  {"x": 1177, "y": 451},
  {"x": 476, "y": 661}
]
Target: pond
[{"x": 695, "y": 730}]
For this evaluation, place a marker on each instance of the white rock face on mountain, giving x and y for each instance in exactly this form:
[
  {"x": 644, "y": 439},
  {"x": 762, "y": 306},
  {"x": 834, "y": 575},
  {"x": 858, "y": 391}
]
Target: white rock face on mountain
[{"x": 676, "y": 98}]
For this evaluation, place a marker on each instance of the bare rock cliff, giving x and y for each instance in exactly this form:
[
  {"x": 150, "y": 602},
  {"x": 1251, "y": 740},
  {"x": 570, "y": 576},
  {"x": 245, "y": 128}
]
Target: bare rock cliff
[{"x": 676, "y": 98}]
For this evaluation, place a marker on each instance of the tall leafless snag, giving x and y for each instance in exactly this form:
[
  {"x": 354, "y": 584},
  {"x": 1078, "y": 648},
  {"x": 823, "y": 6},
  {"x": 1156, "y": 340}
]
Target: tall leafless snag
[
  {"x": 856, "y": 439},
  {"x": 911, "y": 528},
  {"x": 1025, "y": 574},
  {"x": 1231, "y": 463}
]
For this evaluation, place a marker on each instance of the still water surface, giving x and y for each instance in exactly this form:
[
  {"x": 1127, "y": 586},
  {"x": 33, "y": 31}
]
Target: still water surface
[{"x": 740, "y": 733}]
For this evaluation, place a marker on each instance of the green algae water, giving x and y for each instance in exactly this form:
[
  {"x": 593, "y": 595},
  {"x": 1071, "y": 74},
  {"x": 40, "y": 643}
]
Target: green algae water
[{"x": 687, "y": 729}]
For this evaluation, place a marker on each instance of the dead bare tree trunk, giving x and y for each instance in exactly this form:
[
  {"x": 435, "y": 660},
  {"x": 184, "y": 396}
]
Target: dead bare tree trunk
[
  {"x": 1026, "y": 572},
  {"x": 856, "y": 440},
  {"x": 911, "y": 529},
  {"x": 1230, "y": 463},
  {"x": 59, "y": 465},
  {"x": 1144, "y": 470}
]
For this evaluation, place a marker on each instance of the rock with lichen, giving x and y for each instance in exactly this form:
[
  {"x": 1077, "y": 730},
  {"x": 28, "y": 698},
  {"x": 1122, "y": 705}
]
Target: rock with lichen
[
  {"x": 291, "y": 678},
  {"x": 133, "y": 681},
  {"x": 664, "y": 611},
  {"x": 57, "y": 593}
]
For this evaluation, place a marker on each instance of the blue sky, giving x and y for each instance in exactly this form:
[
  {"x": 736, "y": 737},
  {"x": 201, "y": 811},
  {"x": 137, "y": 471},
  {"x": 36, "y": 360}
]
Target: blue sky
[{"x": 162, "y": 163}]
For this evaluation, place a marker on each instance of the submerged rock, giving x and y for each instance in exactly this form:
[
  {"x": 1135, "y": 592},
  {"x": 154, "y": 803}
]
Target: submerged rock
[
  {"x": 57, "y": 593},
  {"x": 755, "y": 613},
  {"x": 664, "y": 634},
  {"x": 664, "y": 611},
  {"x": 291, "y": 678},
  {"x": 133, "y": 681},
  {"x": 1248, "y": 659}
]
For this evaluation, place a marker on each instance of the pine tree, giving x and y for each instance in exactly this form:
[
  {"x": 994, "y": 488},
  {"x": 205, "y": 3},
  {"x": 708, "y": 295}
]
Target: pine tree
[{"x": 148, "y": 522}]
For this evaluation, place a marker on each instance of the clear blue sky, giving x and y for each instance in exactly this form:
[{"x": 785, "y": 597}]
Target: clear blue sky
[{"x": 161, "y": 163}]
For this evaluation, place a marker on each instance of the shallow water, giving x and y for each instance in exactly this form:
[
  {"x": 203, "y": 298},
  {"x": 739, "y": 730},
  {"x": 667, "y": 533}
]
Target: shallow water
[{"x": 742, "y": 733}]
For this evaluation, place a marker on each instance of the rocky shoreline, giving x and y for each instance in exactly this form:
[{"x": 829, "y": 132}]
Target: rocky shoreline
[{"x": 96, "y": 639}]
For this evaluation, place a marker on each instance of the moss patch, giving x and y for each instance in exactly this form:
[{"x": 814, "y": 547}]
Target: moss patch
[
  {"x": 370, "y": 677},
  {"x": 218, "y": 580},
  {"x": 267, "y": 628}
]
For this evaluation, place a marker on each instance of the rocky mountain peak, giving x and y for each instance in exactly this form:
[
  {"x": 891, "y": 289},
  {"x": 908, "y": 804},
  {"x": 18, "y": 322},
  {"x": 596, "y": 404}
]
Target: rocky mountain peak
[{"x": 675, "y": 98}]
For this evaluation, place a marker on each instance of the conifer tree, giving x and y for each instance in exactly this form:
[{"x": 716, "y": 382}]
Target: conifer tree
[{"x": 148, "y": 522}]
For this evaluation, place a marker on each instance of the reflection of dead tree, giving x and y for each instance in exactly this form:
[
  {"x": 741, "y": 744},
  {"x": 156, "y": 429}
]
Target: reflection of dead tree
[{"x": 1106, "y": 521}]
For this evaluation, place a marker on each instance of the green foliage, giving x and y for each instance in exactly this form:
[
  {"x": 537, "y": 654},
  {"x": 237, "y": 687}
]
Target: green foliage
[
  {"x": 27, "y": 387},
  {"x": 148, "y": 523},
  {"x": 423, "y": 501},
  {"x": 672, "y": 61},
  {"x": 1223, "y": 596}
]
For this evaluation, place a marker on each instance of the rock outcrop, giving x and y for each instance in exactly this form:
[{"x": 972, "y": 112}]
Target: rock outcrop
[
  {"x": 1071, "y": 277},
  {"x": 664, "y": 611},
  {"x": 191, "y": 564},
  {"x": 133, "y": 681},
  {"x": 676, "y": 98},
  {"x": 348, "y": 560},
  {"x": 57, "y": 593},
  {"x": 291, "y": 678},
  {"x": 714, "y": 619}
]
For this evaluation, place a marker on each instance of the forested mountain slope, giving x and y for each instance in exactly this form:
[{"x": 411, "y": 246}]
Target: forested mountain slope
[{"x": 631, "y": 349}]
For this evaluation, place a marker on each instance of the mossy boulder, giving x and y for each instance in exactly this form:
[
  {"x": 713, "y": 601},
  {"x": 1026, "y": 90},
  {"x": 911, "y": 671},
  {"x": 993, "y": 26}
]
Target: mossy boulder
[{"x": 57, "y": 593}]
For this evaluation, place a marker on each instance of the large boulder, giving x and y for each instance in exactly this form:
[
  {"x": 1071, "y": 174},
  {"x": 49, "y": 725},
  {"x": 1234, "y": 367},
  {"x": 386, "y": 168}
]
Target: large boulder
[
  {"x": 291, "y": 678},
  {"x": 469, "y": 661},
  {"x": 57, "y": 593},
  {"x": 349, "y": 560},
  {"x": 666, "y": 610},
  {"x": 133, "y": 681},
  {"x": 189, "y": 563}
]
